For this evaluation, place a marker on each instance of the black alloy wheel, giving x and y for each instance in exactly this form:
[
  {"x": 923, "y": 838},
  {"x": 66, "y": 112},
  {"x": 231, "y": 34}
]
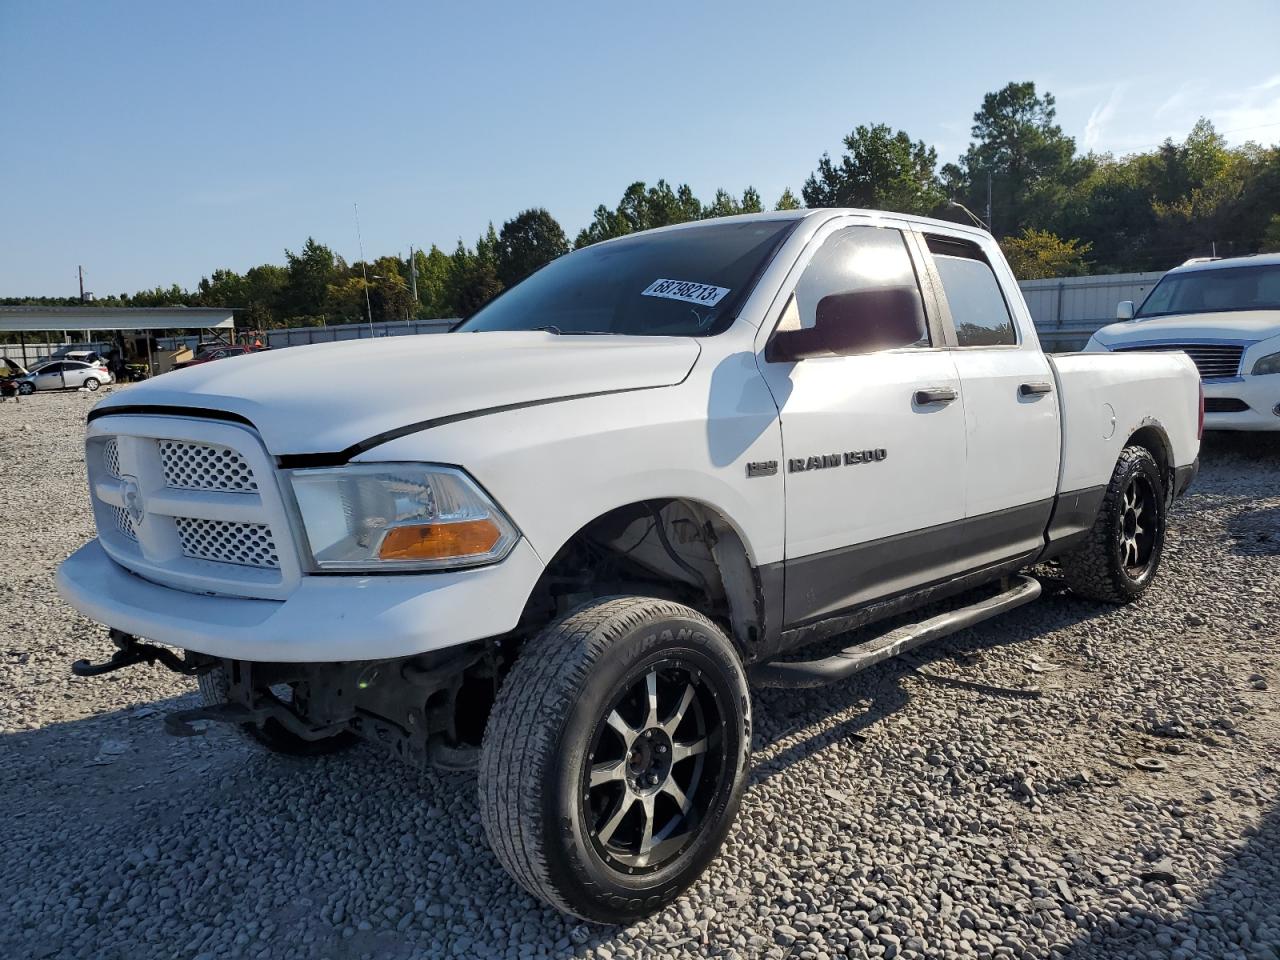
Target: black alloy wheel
[
  {"x": 656, "y": 759},
  {"x": 614, "y": 758}
]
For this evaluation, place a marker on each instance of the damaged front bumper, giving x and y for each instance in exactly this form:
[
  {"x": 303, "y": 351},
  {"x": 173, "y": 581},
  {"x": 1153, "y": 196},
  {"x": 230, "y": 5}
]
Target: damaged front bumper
[
  {"x": 409, "y": 705},
  {"x": 326, "y": 619}
]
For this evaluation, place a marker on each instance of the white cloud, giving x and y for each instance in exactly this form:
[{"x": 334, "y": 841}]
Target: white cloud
[
  {"x": 1145, "y": 120},
  {"x": 1176, "y": 100},
  {"x": 1253, "y": 114},
  {"x": 1101, "y": 117}
]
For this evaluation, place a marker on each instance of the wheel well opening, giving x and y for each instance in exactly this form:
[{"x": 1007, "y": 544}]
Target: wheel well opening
[
  {"x": 1153, "y": 439},
  {"x": 671, "y": 548}
]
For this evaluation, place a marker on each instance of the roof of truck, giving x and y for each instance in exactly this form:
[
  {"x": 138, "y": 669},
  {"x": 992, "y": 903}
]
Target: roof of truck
[{"x": 818, "y": 212}]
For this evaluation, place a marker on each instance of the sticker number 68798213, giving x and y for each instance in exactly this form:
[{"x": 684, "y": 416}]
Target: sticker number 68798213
[{"x": 703, "y": 294}]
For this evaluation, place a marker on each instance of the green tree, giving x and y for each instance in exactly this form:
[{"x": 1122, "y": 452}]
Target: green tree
[
  {"x": 882, "y": 169},
  {"x": 1271, "y": 236},
  {"x": 528, "y": 241},
  {"x": 726, "y": 204},
  {"x": 263, "y": 291},
  {"x": 433, "y": 282},
  {"x": 1030, "y": 161},
  {"x": 310, "y": 274},
  {"x": 1038, "y": 255},
  {"x": 473, "y": 275},
  {"x": 390, "y": 294},
  {"x": 641, "y": 208},
  {"x": 787, "y": 201}
]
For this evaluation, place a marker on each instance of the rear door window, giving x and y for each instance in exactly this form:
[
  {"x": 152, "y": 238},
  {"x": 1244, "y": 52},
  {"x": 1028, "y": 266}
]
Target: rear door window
[{"x": 978, "y": 307}]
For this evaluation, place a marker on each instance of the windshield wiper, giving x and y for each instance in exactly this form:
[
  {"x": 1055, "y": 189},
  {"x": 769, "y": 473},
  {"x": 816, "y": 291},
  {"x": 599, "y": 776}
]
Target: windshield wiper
[{"x": 553, "y": 329}]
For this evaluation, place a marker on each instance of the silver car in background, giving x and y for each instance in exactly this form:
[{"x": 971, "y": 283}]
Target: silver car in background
[{"x": 64, "y": 375}]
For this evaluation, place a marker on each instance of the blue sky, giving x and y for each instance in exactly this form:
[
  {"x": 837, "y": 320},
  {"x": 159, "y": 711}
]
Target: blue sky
[{"x": 153, "y": 142}]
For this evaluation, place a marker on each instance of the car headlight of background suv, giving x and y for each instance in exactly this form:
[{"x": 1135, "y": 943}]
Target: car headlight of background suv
[
  {"x": 1268, "y": 364},
  {"x": 414, "y": 516}
]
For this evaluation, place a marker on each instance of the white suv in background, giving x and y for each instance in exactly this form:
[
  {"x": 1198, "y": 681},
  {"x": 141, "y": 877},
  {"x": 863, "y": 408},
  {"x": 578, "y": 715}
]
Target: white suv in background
[{"x": 1225, "y": 314}]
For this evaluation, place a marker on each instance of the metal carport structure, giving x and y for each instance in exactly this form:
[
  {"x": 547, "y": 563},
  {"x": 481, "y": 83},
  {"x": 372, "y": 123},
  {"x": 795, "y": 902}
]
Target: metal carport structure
[{"x": 85, "y": 319}]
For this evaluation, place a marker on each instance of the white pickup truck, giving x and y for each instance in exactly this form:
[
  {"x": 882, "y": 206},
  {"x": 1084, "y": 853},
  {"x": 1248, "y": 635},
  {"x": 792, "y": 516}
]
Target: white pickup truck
[
  {"x": 1225, "y": 315},
  {"x": 557, "y": 543}
]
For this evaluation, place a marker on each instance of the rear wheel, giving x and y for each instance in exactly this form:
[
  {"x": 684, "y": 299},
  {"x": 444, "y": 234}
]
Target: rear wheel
[
  {"x": 91, "y": 384},
  {"x": 613, "y": 761},
  {"x": 1119, "y": 559},
  {"x": 215, "y": 688}
]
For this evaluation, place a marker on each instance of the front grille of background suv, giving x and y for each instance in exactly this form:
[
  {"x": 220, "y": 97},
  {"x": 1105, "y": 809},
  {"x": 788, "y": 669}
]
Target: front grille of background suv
[{"x": 1215, "y": 361}]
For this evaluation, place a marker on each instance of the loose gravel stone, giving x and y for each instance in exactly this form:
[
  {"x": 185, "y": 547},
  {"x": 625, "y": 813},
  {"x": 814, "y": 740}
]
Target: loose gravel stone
[{"x": 951, "y": 804}]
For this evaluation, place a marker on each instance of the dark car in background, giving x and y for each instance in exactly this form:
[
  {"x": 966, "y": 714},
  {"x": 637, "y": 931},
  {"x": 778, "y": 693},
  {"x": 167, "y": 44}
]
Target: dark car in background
[{"x": 209, "y": 354}]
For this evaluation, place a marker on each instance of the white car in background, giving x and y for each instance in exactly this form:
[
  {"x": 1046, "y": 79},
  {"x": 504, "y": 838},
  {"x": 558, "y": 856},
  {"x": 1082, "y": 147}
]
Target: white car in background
[{"x": 1225, "y": 314}]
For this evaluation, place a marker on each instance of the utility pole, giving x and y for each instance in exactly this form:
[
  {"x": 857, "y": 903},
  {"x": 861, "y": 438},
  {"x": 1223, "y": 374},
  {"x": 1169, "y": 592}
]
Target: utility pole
[
  {"x": 989, "y": 227},
  {"x": 413, "y": 281},
  {"x": 81, "y": 271},
  {"x": 364, "y": 273}
]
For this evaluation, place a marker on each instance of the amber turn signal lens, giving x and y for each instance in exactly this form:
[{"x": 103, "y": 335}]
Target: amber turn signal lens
[{"x": 439, "y": 541}]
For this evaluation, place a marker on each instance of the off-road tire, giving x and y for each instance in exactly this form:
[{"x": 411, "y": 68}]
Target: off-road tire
[
  {"x": 215, "y": 689},
  {"x": 534, "y": 800},
  {"x": 1096, "y": 569}
]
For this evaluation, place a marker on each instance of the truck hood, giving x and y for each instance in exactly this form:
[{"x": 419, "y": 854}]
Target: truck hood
[
  {"x": 1234, "y": 325},
  {"x": 330, "y": 397}
]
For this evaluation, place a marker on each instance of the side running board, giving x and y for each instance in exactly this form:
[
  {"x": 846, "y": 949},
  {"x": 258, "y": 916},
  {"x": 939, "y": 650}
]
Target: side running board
[{"x": 817, "y": 673}]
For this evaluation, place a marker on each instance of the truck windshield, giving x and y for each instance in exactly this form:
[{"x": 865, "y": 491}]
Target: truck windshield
[
  {"x": 687, "y": 282},
  {"x": 1220, "y": 289}
]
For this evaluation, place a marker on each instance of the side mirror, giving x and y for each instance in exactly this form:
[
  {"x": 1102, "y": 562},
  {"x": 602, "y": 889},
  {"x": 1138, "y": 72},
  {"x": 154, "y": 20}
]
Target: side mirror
[
  {"x": 857, "y": 322},
  {"x": 1124, "y": 310}
]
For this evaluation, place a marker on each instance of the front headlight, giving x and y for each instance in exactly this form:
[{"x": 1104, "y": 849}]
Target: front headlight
[
  {"x": 1268, "y": 364},
  {"x": 397, "y": 516}
]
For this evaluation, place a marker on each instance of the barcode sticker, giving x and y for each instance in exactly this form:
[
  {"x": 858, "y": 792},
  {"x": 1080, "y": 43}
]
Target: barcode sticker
[{"x": 703, "y": 294}]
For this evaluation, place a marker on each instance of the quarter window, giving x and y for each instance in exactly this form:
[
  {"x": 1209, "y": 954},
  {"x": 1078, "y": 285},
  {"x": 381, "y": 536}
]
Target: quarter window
[{"x": 978, "y": 308}]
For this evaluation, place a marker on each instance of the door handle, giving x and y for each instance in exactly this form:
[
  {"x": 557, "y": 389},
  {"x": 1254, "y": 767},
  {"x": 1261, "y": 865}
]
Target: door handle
[
  {"x": 1034, "y": 389},
  {"x": 927, "y": 395}
]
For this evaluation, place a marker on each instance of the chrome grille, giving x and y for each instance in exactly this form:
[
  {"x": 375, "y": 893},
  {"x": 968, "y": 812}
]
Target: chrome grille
[
  {"x": 199, "y": 466},
  {"x": 1215, "y": 361},
  {"x": 111, "y": 457},
  {"x": 247, "y": 544}
]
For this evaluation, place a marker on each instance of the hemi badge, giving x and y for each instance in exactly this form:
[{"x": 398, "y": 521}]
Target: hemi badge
[{"x": 762, "y": 468}]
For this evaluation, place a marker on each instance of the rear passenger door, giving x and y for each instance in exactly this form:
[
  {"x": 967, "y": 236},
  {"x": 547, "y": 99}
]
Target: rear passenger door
[
  {"x": 74, "y": 374},
  {"x": 1011, "y": 412}
]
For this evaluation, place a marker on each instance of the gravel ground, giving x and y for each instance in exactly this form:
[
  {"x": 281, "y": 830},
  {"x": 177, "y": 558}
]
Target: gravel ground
[{"x": 987, "y": 797}]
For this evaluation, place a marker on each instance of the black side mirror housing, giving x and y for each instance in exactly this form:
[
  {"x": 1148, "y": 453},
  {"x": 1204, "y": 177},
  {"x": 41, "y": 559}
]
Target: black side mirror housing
[{"x": 852, "y": 323}]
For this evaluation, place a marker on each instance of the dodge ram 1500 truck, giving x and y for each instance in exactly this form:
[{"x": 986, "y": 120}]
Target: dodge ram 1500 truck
[{"x": 557, "y": 543}]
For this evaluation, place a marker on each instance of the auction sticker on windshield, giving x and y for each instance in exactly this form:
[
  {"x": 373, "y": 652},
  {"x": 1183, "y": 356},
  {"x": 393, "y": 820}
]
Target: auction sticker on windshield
[{"x": 703, "y": 294}]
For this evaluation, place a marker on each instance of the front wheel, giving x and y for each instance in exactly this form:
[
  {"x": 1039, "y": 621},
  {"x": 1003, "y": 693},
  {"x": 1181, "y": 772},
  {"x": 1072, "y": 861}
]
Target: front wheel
[
  {"x": 613, "y": 762},
  {"x": 26, "y": 389},
  {"x": 1119, "y": 559}
]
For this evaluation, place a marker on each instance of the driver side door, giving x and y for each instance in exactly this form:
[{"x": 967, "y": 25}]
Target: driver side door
[{"x": 873, "y": 442}]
